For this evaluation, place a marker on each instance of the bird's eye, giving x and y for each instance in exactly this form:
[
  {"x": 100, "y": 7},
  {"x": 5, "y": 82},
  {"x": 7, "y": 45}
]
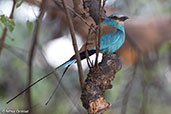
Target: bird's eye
[
  {"x": 122, "y": 18},
  {"x": 114, "y": 17}
]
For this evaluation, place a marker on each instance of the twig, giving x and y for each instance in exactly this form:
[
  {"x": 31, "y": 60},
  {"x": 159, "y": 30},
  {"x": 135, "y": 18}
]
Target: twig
[
  {"x": 3, "y": 39},
  {"x": 5, "y": 29},
  {"x": 57, "y": 2},
  {"x": 86, "y": 52},
  {"x": 32, "y": 51},
  {"x": 82, "y": 19},
  {"x": 84, "y": 4},
  {"x": 104, "y": 2},
  {"x": 72, "y": 31},
  {"x": 99, "y": 36}
]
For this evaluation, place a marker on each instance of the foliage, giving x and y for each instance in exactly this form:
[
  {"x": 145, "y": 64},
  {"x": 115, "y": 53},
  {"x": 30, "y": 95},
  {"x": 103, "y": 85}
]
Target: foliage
[
  {"x": 29, "y": 26},
  {"x": 19, "y": 4},
  {"x": 9, "y": 23}
]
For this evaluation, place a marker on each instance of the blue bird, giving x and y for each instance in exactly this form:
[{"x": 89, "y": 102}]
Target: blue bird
[{"x": 112, "y": 38}]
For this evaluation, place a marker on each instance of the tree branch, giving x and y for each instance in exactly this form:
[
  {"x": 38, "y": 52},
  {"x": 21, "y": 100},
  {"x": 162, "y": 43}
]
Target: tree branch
[
  {"x": 99, "y": 36},
  {"x": 5, "y": 29},
  {"x": 57, "y": 3},
  {"x": 98, "y": 81},
  {"x": 72, "y": 31},
  {"x": 32, "y": 51},
  {"x": 86, "y": 52}
]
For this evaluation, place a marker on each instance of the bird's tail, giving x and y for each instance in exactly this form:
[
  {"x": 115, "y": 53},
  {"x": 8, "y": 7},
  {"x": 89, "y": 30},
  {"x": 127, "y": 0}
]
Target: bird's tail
[{"x": 67, "y": 63}]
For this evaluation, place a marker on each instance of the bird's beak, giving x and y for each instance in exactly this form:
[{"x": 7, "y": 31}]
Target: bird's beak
[
  {"x": 123, "y": 18},
  {"x": 104, "y": 18}
]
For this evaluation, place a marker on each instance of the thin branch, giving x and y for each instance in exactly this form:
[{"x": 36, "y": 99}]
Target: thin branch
[
  {"x": 84, "y": 4},
  {"x": 32, "y": 51},
  {"x": 68, "y": 7},
  {"x": 104, "y": 2},
  {"x": 99, "y": 36},
  {"x": 82, "y": 19},
  {"x": 5, "y": 29},
  {"x": 3, "y": 39},
  {"x": 86, "y": 52},
  {"x": 72, "y": 31}
]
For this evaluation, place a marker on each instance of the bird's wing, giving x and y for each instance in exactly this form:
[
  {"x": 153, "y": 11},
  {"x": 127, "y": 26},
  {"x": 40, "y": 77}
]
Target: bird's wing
[
  {"x": 105, "y": 29},
  {"x": 110, "y": 39}
]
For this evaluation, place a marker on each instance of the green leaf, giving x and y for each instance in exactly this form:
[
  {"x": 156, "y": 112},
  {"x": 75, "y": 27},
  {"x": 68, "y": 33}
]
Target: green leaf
[
  {"x": 3, "y": 18},
  {"x": 9, "y": 23},
  {"x": 29, "y": 26},
  {"x": 19, "y": 4}
]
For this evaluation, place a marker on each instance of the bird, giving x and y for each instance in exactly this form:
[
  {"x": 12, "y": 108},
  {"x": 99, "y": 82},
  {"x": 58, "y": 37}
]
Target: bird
[{"x": 112, "y": 38}]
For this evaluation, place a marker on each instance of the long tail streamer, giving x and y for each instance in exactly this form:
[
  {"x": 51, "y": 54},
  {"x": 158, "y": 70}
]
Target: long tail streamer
[
  {"x": 59, "y": 82},
  {"x": 69, "y": 62}
]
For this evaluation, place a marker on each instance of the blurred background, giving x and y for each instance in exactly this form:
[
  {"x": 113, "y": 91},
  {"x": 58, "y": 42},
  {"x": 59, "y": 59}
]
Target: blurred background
[{"x": 143, "y": 86}]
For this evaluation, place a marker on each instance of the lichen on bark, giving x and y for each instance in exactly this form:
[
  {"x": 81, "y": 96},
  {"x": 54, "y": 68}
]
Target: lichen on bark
[{"x": 98, "y": 81}]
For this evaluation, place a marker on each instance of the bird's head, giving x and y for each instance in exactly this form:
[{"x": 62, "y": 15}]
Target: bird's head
[{"x": 117, "y": 18}]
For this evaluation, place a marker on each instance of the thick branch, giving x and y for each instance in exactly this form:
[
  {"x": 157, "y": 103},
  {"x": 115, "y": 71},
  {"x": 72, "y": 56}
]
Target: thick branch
[{"x": 98, "y": 81}]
